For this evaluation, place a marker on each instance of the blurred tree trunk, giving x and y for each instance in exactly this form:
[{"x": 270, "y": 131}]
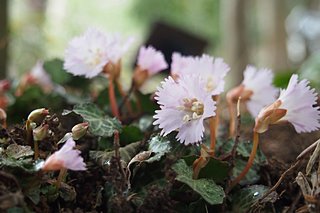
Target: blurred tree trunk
[
  {"x": 3, "y": 37},
  {"x": 234, "y": 37},
  {"x": 271, "y": 25}
]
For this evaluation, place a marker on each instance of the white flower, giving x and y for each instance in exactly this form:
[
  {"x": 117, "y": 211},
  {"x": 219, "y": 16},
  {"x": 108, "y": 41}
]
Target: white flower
[
  {"x": 87, "y": 54},
  {"x": 67, "y": 157},
  {"x": 296, "y": 105},
  {"x": 180, "y": 63},
  {"x": 259, "y": 83},
  {"x": 183, "y": 107},
  {"x": 117, "y": 47},
  {"x": 211, "y": 70},
  {"x": 151, "y": 60}
]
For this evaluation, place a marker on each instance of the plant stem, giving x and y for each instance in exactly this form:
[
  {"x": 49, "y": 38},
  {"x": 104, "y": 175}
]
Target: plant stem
[
  {"x": 250, "y": 161},
  {"x": 36, "y": 149},
  {"x": 29, "y": 132},
  {"x": 113, "y": 101},
  {"x": 213, "y": 128},
  {"x": 125, "y": 97},
  {"x": 232, "y": 119},
  {"x": 61, "y": 177}
]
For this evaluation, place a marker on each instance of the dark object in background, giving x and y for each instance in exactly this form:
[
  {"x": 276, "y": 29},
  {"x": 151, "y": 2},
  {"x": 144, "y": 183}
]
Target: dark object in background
[{"x": 169, "y": 39}]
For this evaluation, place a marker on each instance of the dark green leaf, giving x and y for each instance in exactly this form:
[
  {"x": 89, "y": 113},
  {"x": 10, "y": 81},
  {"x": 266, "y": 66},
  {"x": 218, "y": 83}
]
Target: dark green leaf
[
  {"x": 55, "y": 69},
  {"x": 251, "y": 177},
  {"x": 130, "y": 134},
  {"x": 207, "y": 188},
  {"x": 215, "y": 169},
  {"x": 99, "y": 123}
]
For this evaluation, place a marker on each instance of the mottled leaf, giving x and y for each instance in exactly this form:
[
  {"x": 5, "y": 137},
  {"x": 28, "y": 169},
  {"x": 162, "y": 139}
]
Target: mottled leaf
[
  {"x": 159, "y": 146},
  {"x": 102, "y": 158},
  {"x": 17, "y": 151},
  {"x": 99, "y": 123},
  {"x": 207, "y": 188}
]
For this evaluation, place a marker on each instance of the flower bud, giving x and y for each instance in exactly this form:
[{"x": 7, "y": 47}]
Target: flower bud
[
  {"x": 79, "y": 130},
  {"x": 38, "y": 115},
  {"x": 40, "y": 132},
  {"x": 140, "y": 76}
]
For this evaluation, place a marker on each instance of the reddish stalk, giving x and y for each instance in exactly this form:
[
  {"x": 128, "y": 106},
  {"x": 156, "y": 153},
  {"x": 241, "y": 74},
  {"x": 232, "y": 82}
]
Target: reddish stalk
[
  {"x": 36, "y": 149},
  {"x": 213, "y": 127},
  {"x": 124, "y": 95},
  {"x": 61, "y": 177},
  {"x": 250, "y": 161},
  {"x": 113, "y": 101},
  {"x": 232, "y": 119}
]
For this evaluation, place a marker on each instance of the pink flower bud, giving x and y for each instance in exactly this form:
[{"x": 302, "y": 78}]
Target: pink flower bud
[
  {"x": 40, "y": 132},
  {"x": 38, "y": 115}
]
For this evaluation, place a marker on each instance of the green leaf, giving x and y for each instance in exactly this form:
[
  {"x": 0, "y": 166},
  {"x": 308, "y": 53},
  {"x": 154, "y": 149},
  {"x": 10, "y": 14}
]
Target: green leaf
[
  {"x": 102, "y": 158},
  {"x": 17, "y": 151},
  {"x": 99, "y": 123},
  {"x": 244, "y": 198},
  {"x": 160, "y": 146},
  {"x": 207, "y": 188},
  {"x": 215, "y": 169},
  {"x": 15, "y": 210},
  {"x": 130, "y": 134},
  {"x": 55, "y": 69},
  {"x": 145, "y": 122},
  {"x": 23, "y": 164}
]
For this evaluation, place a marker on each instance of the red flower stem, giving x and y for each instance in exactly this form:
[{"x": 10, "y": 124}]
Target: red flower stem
[
  {"x": 124, "y": 96},
  {"x": 213, "y": 127},
  {"x": 113, "y": 101},
  {"x": 61, "y": 177},
  {"x": 250, "y": 161},
  {"x": 232, "y": 123}
]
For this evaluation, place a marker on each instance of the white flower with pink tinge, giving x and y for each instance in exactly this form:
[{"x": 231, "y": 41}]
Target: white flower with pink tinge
[
  {"x": 180, "y": 63},
  {"x": 296, "y": 104},
  {"x": 151, "y": 60},
  {"x": 211, "y": 70},
  {"x": 117, "y": 47},
  {"x": 184, "y": 105},
  {"x": 67, "y": 157},
  {"x": 259, "y": 84},
  {"x": 87, "y": 54}
]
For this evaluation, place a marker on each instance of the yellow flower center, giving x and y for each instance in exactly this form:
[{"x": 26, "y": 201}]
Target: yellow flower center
[{"x": 193, "y": 109}]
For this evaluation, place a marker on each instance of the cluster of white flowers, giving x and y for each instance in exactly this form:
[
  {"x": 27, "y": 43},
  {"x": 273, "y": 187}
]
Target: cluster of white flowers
[{"x": 187, "y": 97}]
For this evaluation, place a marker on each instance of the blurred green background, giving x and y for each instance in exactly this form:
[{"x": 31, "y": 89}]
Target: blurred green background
[{"x": 281, "y": 35}]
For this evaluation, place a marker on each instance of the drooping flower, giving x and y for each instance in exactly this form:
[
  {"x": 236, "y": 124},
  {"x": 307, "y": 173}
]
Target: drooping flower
[
  {"x": 87, "y": 54},
  {"x": 184, "y": 105},
  {"x": 67, "y": 157},
  {"x": 296, "y": 104},
  {"x": 179, "y": 64},
  {"x": 151, "y": 60},
  {"x": 256, "y": 89}
]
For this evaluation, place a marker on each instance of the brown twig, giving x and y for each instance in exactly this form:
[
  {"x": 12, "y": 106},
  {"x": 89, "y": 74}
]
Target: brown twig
[{"x": 279, "y": 181}]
